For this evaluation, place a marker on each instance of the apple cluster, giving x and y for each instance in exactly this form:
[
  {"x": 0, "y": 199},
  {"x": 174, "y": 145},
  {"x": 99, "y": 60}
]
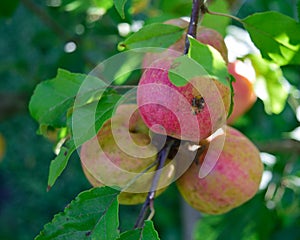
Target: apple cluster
[{"x": 217, "y": 179}]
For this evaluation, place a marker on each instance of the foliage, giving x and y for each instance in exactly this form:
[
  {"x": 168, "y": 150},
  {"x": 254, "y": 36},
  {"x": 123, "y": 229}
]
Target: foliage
[
  {"x": 280, "y": 44},
  {"x": 93, "y": 214},
  {"x": 93, "y": 27}
]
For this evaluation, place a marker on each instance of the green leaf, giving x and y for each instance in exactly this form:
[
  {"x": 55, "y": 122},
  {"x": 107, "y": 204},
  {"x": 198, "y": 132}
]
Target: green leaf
[
  {"x": 91, "y": 211},
  {"x": 183, "y": 69},
  {"x": 269, "y": 85},
  {"x": 153, "y": 35},
  {"x": 149, "y": 233},
  {"x": 7, "y": 8},
  {"x": 210, "y": 59},
  {"x": 58, "y": 164},
  {"x": 53, "y": 98},
  {"x": 146, "y": 233},
  {"x": 107, "y": 227},
  {"x": 131, "y": 235},
  {"x": 202, "y": 60},
  {"x": 88, "y": 119},
  {"x": 106, "y": 107},
  {"x": 231, "y": 80},
  {"x": 276, "y": 35},
  {"x": 119, "y": 5},
  {"x": 107, "y": 4}
]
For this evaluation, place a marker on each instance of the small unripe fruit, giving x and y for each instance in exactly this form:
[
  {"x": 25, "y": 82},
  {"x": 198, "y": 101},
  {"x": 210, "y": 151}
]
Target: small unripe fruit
[
  {"x": 244, "y": 95},
  {"x": 120, "y": 152},
  {"x": 233, "y": 180}
]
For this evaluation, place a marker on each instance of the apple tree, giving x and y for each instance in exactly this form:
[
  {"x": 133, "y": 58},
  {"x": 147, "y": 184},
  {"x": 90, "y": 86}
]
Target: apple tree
[{"x": 202, "y": 96}]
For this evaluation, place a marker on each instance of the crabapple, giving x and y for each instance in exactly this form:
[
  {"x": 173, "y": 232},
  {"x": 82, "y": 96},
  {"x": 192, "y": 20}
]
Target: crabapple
[
  {"x": 118, "y": 154},
  {"x": 244, "y": 95},
  {"x": 233, "y": 180},
  {"x": 191, "y": 112}
]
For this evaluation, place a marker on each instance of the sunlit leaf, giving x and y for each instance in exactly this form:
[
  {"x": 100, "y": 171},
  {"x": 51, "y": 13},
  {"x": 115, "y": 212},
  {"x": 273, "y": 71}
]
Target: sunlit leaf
[
  {"x": 92, "y": 215},
  {"x": 276, "y": 35},
  {"x": 107, "y": 4},
  {"x": 269, "y": 86},
  {"x": 120, "y": 4},
  {"x": 210, "y": 59},
  {"x": 153, "y": 35},
  {"x": 202, "y": 60}
]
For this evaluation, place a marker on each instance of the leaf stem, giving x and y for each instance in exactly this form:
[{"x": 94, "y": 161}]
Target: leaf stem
[
  {"x": 195, "y": 18},
  {"x": 161, "y": 158},
  {"x": 224, "y": 15}
]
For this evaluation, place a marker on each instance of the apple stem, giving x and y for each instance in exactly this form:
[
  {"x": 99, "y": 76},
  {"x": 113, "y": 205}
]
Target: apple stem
[
  {"x": 192, "y": 29},
  {"x": 161, "y": 157}
]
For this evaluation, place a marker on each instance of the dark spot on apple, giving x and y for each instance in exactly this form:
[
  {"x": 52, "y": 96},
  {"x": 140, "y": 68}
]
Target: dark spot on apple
[{"x": 197, "y": 104}]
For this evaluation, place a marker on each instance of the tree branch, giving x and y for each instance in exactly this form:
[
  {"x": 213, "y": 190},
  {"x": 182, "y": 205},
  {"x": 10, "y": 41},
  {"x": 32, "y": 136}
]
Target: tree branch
[
  {"x": 192, "y": 29},
  {"x": 162, "y": 156},
  {"x": 280, "y": 146}
]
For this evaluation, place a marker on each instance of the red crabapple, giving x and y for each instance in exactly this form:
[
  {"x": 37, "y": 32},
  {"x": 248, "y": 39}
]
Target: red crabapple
[{"x": 233, "y": 180}]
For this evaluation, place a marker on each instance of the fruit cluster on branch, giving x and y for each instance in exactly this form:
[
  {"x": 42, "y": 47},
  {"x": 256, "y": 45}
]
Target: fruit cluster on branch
[{"x": 216, "y": 167}]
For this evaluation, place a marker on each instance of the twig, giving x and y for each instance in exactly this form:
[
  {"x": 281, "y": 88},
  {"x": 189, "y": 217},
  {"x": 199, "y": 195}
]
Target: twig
[
  {"x": 192, "y": 29},
  {"x": 280, "y": 146},
  {"x": 140, "y": 174},
  {"x": 162, "y": 156}
]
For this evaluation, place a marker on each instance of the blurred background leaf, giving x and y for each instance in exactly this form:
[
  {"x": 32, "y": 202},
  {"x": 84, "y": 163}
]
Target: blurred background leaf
[{"x": 7, "y": 8}]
